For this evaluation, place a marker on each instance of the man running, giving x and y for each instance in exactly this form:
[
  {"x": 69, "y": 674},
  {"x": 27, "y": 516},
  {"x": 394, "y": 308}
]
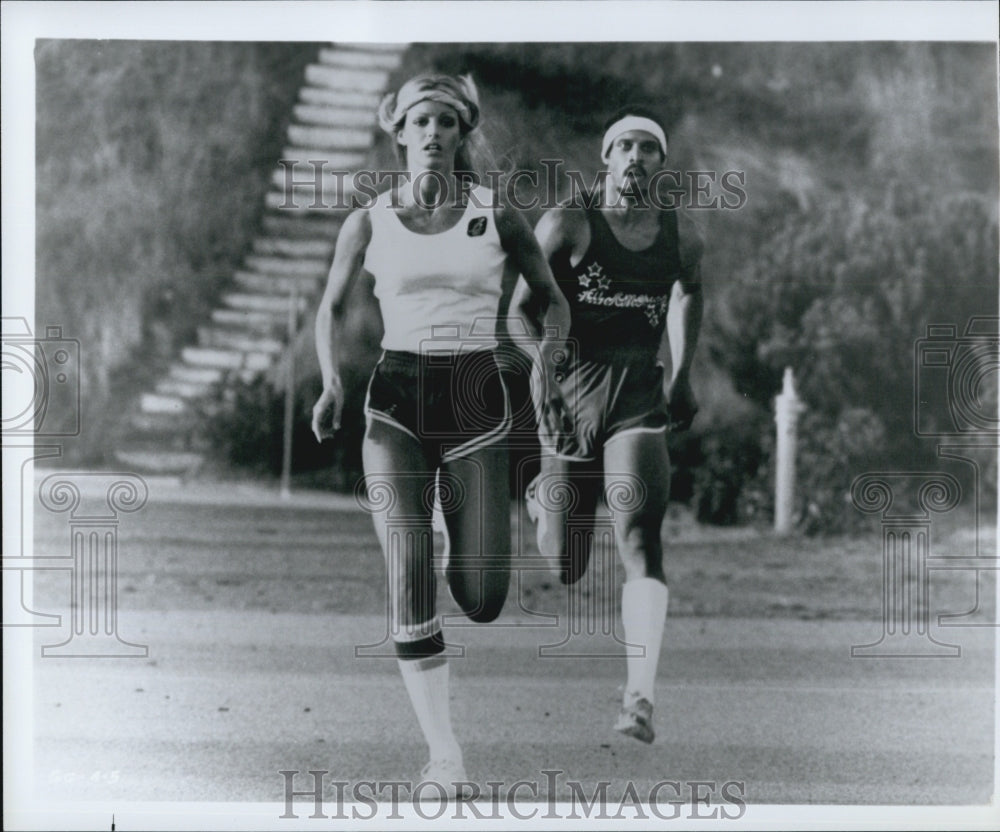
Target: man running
[{"x": 621, "y": 262}]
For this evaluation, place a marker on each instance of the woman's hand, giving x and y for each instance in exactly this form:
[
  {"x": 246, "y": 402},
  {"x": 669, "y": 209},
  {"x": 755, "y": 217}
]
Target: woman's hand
[
  {"x": 327, "y": 410},
  {"x": 546, "y": 390}
]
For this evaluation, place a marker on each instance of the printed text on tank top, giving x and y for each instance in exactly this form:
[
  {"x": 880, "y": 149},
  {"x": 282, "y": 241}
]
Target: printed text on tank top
[
  {"x": 599, "y": 288},
  {"x": 618, "y": 296}
]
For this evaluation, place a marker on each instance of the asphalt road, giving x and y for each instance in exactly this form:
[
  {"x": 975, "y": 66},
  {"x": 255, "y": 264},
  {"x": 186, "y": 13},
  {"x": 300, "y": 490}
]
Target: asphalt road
[{"x": 242, "y": 682}]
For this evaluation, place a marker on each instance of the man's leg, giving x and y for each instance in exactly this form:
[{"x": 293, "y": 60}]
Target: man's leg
[
  {"x": 629, "y": 456},
  {"x": 563, "y": 501}
]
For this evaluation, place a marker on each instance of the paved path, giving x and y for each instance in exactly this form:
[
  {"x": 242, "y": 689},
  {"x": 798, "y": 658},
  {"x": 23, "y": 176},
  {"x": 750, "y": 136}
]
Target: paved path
[{"x": 231, "y": 693}]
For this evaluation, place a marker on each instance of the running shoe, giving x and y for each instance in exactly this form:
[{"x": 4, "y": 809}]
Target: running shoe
[
  {"x": 636, "y": 720},
  {"x": 447, "y": 773}
]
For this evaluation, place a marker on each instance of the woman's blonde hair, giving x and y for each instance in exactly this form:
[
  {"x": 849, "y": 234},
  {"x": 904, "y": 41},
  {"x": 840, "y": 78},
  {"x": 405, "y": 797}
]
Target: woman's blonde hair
[{"x": 459, "y": 92}]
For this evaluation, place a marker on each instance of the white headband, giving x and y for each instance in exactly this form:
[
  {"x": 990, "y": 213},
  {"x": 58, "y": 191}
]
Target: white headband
[{"x": 623, "y": 125}]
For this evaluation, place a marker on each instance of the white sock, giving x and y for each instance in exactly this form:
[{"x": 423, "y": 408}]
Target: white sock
[
  {"x": 644, "y": 611},
  {"x": 426, "y": 681}
]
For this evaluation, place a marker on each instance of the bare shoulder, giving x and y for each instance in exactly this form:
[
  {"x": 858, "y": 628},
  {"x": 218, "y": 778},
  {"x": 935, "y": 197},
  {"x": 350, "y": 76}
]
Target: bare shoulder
[
  {"x": 358, "y": 222},
  {"x": 356, "y": 232},
  {"x": 690, "y": 238},
  {"x": 566, "y": 223}
]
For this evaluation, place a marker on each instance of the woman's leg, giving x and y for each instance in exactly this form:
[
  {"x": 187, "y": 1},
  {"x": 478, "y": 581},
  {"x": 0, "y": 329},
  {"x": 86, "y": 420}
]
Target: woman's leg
[
  {"x": 475, "y": 502},
  {"x": 400, "y": 487}
]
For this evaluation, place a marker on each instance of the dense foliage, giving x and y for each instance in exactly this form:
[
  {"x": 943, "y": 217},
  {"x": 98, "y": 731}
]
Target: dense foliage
[{"x": 842, "y": 294}]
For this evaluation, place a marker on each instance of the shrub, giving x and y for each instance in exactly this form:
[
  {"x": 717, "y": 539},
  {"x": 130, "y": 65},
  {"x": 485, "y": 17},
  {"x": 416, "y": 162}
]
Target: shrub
[{"x": 842, "y": 294}]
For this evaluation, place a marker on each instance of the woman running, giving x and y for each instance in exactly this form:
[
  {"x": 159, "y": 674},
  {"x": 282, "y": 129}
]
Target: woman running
[{"x": 442, "y": 253}]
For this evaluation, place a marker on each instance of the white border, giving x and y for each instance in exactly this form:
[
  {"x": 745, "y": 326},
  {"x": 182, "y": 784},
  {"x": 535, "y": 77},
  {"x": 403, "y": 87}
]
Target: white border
[
  {"x": 502, "y": 20},
  {"x": 22, "y": 22}
]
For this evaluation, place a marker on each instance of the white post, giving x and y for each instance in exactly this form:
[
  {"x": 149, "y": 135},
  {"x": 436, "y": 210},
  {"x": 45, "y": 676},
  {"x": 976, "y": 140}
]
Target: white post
[
  {"x": 286, "y": 446},
  {"x": 787, "y": 407}
]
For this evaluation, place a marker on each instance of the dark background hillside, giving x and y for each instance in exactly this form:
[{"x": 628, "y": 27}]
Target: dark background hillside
[
  {"x": 153, "y": 159},
  {"x": 870, "y": 171}
]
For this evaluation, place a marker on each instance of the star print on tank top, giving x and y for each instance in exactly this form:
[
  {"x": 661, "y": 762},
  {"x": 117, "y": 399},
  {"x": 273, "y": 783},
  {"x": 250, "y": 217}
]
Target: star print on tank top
[{"x": 618, "y": 297}]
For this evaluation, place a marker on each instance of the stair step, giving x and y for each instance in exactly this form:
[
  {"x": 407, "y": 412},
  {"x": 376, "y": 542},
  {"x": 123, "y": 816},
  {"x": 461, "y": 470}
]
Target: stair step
[
  {"x": 303, "y": 204},
  {"x": 256, "y": 321},
  {"x": 340, "y": 116},
  {"x": 303, "y": 227},
  {"x": 372, "y": 81},
  {"x": 272, "y": 304},
  {"x": 288, "y": 266},
  {"x": 277, "y": 284},
  {"x": 168, "y": 430},
  {"x": 153, "y": 461},
  {"x": 381, "y": 59},
  {"x": 226, "y": 359},
  {"x": 182, "y": 389},
  {"x": 206, "y": 376},
  {"x": 215, "y": 338},
  {"x": 397, "y": 47},
  {"x": 157, "y": 403},
  {"x": 285, "y": 247},
  {"x": 329, "y": 138},
  {"x": 365, "y": 101},
  {"x": 297, "y": 160},
  {"x": 295, "y": 190}
]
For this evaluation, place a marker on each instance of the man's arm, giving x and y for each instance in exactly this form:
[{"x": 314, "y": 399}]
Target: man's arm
[
  {"x": 348, "y": 259},
  {"x": 683, "y": 327}
]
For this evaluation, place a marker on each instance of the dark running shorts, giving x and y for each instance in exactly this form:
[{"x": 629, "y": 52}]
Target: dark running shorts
[
  {"x": 605, "y": 400},
  {"x": 452, "y": 404}
]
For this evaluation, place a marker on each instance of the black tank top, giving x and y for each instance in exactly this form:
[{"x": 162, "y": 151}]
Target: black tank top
[{"x": 618, "y": 298}]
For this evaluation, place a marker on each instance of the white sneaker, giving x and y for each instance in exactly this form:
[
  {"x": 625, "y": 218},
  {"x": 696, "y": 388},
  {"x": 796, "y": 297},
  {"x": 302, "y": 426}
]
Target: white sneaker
[
  {"x": 447, "y": 773},
  {"x": 636, "y": 720}
]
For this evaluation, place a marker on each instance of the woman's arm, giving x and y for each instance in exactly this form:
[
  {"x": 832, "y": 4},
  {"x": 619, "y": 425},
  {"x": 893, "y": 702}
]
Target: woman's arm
[
  {"x": 530, "y": 304},
  {"x": 540, "y": 287},
  {"x": 539, "y": 312},
  {"x": 352, "y": 242}
]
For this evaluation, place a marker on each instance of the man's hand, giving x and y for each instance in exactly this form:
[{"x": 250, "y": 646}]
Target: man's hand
[
  {"x": 327, "y": 410},
  {"x": 681, "y": 403}
]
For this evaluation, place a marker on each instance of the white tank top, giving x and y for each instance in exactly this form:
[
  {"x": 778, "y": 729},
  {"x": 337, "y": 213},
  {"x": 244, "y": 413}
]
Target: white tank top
[{"x": 437, "y": 292}]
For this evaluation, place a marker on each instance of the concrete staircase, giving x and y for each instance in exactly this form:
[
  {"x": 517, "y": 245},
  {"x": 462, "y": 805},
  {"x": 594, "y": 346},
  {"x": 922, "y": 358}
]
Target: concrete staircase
[{"x": 334, "y": 123}]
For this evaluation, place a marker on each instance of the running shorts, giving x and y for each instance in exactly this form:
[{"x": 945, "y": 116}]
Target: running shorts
[
  {"x": 607, "y": 399},
  {"x": 453, "y": 404}
]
